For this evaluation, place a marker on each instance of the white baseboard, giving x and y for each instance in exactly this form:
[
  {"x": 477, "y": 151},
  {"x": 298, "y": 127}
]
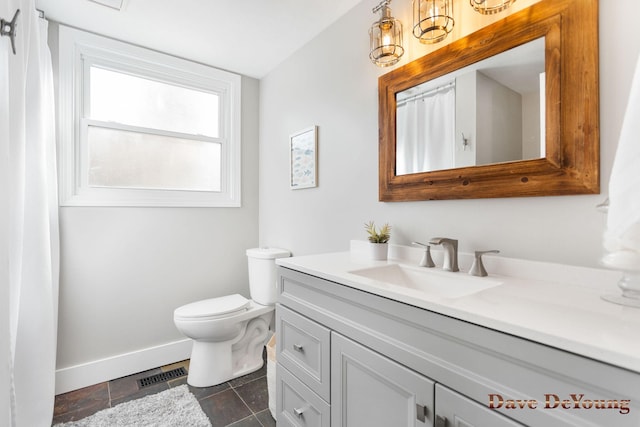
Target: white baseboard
[{"x": 97, "y": 371}]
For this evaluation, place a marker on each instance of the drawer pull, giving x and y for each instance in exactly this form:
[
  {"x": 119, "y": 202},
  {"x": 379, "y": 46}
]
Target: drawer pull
[
  {"x": 298, "y": 347},
  {"x": 421, "y": 412},
  {"x": 300, "y": 411}
]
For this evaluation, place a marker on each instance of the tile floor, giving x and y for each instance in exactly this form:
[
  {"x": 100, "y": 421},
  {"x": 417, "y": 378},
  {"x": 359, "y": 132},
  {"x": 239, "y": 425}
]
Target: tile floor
[{"x": 242, "y": 402}]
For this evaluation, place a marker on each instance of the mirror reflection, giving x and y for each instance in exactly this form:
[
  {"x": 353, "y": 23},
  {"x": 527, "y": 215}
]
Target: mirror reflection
[{"x": 488, "y": 112}]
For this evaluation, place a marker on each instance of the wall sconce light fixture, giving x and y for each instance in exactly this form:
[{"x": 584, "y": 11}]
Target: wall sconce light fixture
[
  {"x": 489, "y": 7},
  {"x": 385, "y": 36},
  {"x": 432, "y": 20}
]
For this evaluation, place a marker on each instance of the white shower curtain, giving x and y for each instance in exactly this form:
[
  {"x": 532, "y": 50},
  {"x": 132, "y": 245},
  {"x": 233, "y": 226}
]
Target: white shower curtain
[
  {"x": 425, "y": 132},
  {"x": 32, "y": 245},
  {"x": 5, "y": 356}
]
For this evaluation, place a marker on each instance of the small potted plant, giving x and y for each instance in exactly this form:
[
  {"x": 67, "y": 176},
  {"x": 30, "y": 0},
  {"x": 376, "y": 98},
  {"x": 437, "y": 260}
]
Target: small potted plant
[{"x": 378, "y": 240}]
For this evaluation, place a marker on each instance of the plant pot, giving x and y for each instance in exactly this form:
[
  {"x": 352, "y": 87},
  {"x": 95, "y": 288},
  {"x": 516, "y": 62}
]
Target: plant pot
[{"x": 378, "y": 251}]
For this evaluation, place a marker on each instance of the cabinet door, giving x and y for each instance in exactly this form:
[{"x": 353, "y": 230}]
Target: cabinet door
[
  {"x": 455, "y": 410},
  {"x": 368, "y": 389}
]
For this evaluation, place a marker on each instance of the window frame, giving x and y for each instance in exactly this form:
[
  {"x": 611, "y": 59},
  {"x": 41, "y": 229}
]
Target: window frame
[{"x": 78, "y": 52}]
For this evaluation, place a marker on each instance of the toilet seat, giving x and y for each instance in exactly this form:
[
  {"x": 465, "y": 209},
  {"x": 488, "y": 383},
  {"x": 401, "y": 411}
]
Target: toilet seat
[{"x": 213, "y": 308}]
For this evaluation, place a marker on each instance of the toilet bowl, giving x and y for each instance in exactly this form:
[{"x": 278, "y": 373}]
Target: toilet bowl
[{"x": 229, "y": 332}]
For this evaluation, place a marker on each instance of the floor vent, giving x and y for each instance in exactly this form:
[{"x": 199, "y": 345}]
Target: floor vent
[{"x": 164, "y": 376}]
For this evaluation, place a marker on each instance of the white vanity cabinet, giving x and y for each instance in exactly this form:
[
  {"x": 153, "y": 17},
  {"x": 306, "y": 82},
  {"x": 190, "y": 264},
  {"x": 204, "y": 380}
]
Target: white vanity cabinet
[{"x": 349, "y": 358}]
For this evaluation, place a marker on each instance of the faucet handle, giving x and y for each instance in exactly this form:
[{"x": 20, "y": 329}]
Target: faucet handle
[
  {"x": 426, "y": 260},
  {"x": 477, "y": 268}
]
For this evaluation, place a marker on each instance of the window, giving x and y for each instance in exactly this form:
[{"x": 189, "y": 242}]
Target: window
[{"x": 141, "y": 128}]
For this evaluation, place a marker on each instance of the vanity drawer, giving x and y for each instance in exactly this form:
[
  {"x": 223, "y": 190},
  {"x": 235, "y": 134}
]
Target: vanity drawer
[
  {"x": 297, "y": 405},
  {"x": 303, "y": 346}
]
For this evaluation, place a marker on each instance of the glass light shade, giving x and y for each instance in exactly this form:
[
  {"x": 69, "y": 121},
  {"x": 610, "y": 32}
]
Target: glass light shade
[
  {"x": 385, "y": 38},
  {"x": 432, "y": 20},
  {"x": 489, "y": 7}
]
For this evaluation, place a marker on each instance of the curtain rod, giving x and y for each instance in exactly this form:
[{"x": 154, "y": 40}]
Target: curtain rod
[{"x": 426, "y": 93}]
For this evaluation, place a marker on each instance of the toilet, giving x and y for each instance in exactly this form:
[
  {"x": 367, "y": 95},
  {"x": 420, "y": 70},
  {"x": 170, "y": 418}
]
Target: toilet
[{"x": 229, "y": 332}]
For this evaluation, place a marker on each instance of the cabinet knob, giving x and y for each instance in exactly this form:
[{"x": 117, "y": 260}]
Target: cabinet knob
[
  {"x": 441, "y": 421},
  {"x": 298, "y": 347},
  {"x": 300, "y": 411}
]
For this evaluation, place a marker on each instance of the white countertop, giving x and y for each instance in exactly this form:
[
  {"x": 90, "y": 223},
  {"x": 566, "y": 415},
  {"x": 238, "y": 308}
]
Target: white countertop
[{"x": 552, "y": 304}]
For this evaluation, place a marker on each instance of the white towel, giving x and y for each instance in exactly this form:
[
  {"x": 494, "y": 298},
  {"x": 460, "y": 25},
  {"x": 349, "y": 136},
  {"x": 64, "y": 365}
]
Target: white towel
[{"x": 622, "y": 236}]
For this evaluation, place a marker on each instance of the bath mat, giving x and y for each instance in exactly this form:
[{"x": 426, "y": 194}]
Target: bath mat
[{"x": 175, "y": 407}]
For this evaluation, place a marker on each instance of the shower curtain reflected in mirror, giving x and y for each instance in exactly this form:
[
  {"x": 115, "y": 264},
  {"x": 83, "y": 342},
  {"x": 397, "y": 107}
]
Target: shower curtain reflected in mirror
[
  {"x": 30, "y": 185},
  {"x": 426, "y": 132}
]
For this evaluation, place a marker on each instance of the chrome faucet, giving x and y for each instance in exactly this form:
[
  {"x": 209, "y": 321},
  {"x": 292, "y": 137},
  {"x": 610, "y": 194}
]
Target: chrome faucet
[{"x": 450, "y": 247}]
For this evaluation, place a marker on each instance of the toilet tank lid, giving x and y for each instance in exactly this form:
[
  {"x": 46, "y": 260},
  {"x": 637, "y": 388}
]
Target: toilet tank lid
[
  {"x": 213, "y": 306},
  {"x": 268, "y": 253}
]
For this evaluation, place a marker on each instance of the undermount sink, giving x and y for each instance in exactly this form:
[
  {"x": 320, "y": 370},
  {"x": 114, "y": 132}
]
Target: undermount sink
[{"x": 434, "y": 282}]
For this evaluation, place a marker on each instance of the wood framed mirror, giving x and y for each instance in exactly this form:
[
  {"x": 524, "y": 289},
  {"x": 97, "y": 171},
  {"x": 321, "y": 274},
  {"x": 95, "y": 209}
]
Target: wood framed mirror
[{"x": 570, "y": 159}]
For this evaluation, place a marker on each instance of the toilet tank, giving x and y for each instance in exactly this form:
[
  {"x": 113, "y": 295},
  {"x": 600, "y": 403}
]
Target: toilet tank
[{"x": 262, "y": 273}]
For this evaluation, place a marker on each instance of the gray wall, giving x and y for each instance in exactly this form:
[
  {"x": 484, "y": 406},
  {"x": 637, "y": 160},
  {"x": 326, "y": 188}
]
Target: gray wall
[
  {"x": 331, "y": 83},
  {"x": 499, "y": 123},
  {"x": 466, "y": 120},
  {"x": 124, "y": 270},
  {"x": 531, "y": 125}
]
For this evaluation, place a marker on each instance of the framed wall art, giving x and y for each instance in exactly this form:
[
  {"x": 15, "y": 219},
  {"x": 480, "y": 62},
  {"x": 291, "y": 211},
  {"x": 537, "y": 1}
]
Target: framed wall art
[{"x": 303, "y": 147}]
